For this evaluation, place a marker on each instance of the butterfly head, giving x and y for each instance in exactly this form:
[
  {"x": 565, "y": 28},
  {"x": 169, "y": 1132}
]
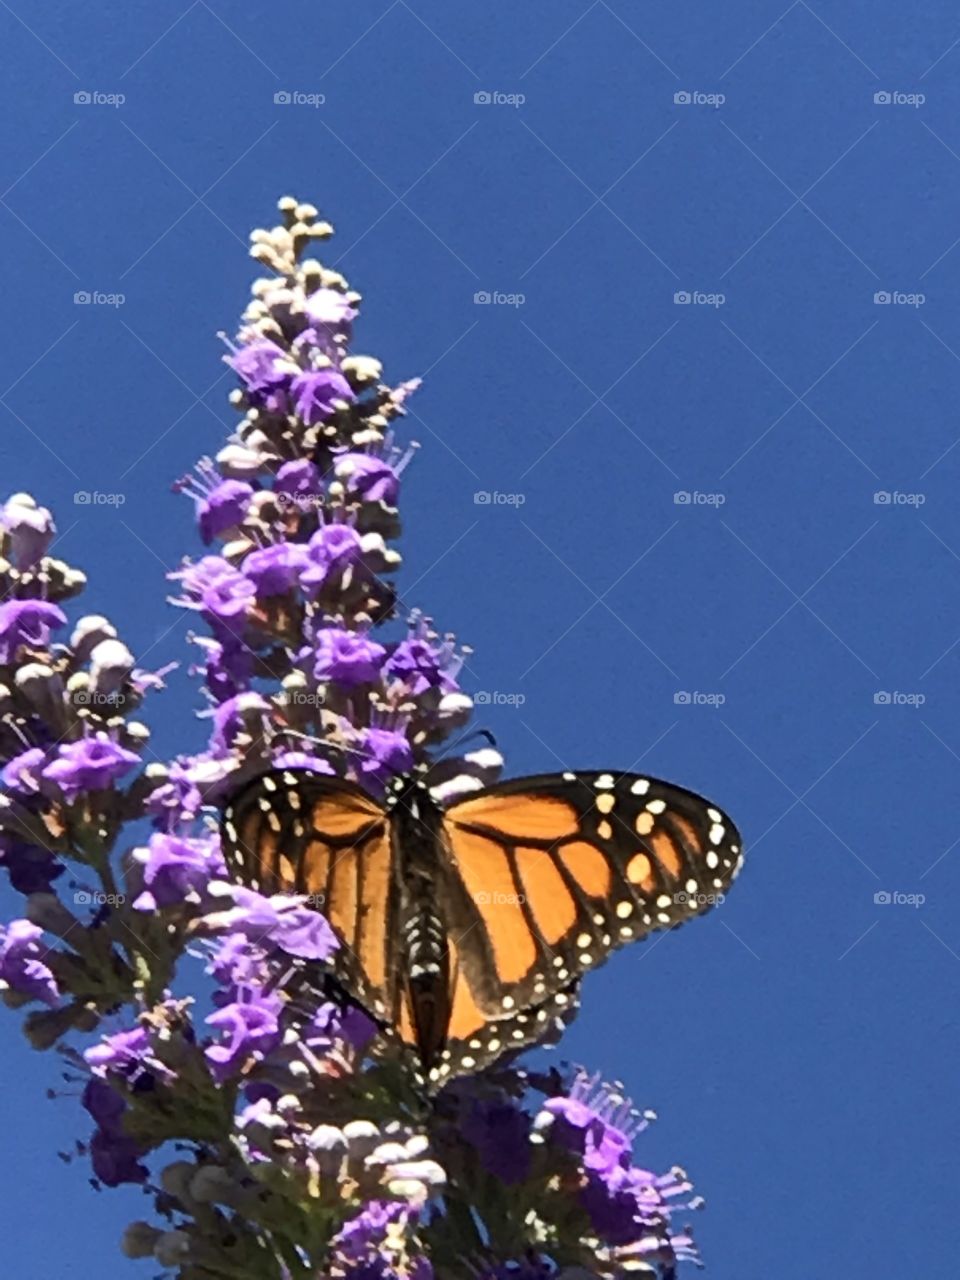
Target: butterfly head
[{"x": 404, "y": 786}]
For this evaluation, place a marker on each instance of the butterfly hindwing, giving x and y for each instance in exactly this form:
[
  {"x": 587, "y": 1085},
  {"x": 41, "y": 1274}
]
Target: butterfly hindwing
[{"x": 552, "y": 873}]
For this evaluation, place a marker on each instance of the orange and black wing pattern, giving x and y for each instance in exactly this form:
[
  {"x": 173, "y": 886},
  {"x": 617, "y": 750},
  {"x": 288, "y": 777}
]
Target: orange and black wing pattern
[
  {"x": 306, "y": 833},
  {"x": 548, "y": 875}
]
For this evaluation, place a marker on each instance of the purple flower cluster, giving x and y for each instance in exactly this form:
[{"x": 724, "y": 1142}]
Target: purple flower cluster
[{"x": 301, "y": 1149}]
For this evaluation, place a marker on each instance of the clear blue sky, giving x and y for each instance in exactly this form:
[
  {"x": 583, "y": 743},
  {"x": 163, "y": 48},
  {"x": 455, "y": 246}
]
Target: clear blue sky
[{"x": 801, "y": 1044}]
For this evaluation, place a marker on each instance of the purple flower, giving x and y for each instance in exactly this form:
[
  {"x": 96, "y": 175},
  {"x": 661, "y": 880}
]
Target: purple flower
[
  {"x": 301, "y": 760},
  {"x": 366, "y": 1232},
  {"x": 175, "y": 866},
  {"x": 223, "y": 507},
  {"x": 316, "y": 393},
  {"x": 128, "y": 1054},
  {"x": 115, "y": 1156},
  {"x": 299, "y": 482},
  {"x": 368, "y": 477},
  {"x": 90, "y": 764},
  {"x": 266, "y": 372},
  {"x": 500, "y": 1132},
  {"x": 420, "y": 666},
  {"x": 346, "y": 657},
  {"x": 229, "y": 665},
  {"x": 22, "y": 773},
  {"x": 27, "y": 623},
  {"x": 250, "y": 1027},
  {"x": 21, "y": 962},
  {"x": 329, "y": 309},
  {"x": 214, "y": 586},
  {"x": 331, "y": 549},
  {"x": 281, "y": 921},
  {"x": 274, "y": 570},
  {"x": 237, "y": 963},
  {"x": 387, "y": 753},
  {"x": 235, "y": 716}
]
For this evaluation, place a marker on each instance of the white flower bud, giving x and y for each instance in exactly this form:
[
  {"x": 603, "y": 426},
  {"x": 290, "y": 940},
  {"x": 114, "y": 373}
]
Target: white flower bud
[
  {"x": 89, "y": 632},
  {"x": 110, "y": 665}
]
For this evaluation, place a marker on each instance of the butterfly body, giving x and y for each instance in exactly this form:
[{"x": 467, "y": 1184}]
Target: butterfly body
[{"x": 466, "y": 928}]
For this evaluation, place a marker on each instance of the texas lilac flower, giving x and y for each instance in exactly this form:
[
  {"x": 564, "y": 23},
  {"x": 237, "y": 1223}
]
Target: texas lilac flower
[
  {"x": 249, "y": 1027},
  {"x": 365, "y": 1233},
  {"x": 420, "y": 665},
  {"x": 316, "y": 393},
  {"x": 90, "y": 764},
  {"x": 386, "y": 753},
  {"x": 175, "y": 866},
  {"x": 236, "y": 962},
  {"x": 329, "y": 309},
  {"x": 279, "y": 921},
  {"x": 274, "y": 570},
  {"x": 595, "y": 1122},
  {"x": 27, "y": 623},
  {"x": 265, "y": 371},
  {"x": 235, "y": 716},
  {"x": 368, "y": 477},
  {"x": 331, "y": 549},
  {"x": 223, "y": 508},
  {"x": 215, "y": 587},
  {"x": 115, "y": 1155},
  {"x": 21, "y": 963},
  {"x": 29, "y": 528},
  {"x": 346, "y": 657},
  {"x": 299, "y": 483},
  {"x": 22, "y": 773},
  {"x": 302, "y": 760},
  {"x": 229, "y": 665},
  {"x": 128, "y": 1054}
]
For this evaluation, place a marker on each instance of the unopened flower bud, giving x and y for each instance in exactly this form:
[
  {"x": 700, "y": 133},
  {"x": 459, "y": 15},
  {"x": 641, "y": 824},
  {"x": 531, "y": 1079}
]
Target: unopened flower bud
[
  {"x": 89, "y": 632},
  {"x": 139, "y": 1240},
  {"x": 110, "y": 665}
]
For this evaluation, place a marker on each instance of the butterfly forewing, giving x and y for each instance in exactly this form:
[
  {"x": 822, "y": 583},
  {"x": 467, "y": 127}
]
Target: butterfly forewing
[
  {"x": 303, "y": 833},
  {"x": 552, "y": 873}
]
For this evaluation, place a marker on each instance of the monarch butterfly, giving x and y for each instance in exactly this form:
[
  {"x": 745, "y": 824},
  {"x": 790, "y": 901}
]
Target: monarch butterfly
[{"x": 466, "y": 929}]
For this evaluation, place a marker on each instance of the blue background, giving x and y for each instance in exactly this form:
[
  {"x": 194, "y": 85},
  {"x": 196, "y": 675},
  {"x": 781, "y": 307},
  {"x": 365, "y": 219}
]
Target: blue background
[{"x": 801, "y": 1043}]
